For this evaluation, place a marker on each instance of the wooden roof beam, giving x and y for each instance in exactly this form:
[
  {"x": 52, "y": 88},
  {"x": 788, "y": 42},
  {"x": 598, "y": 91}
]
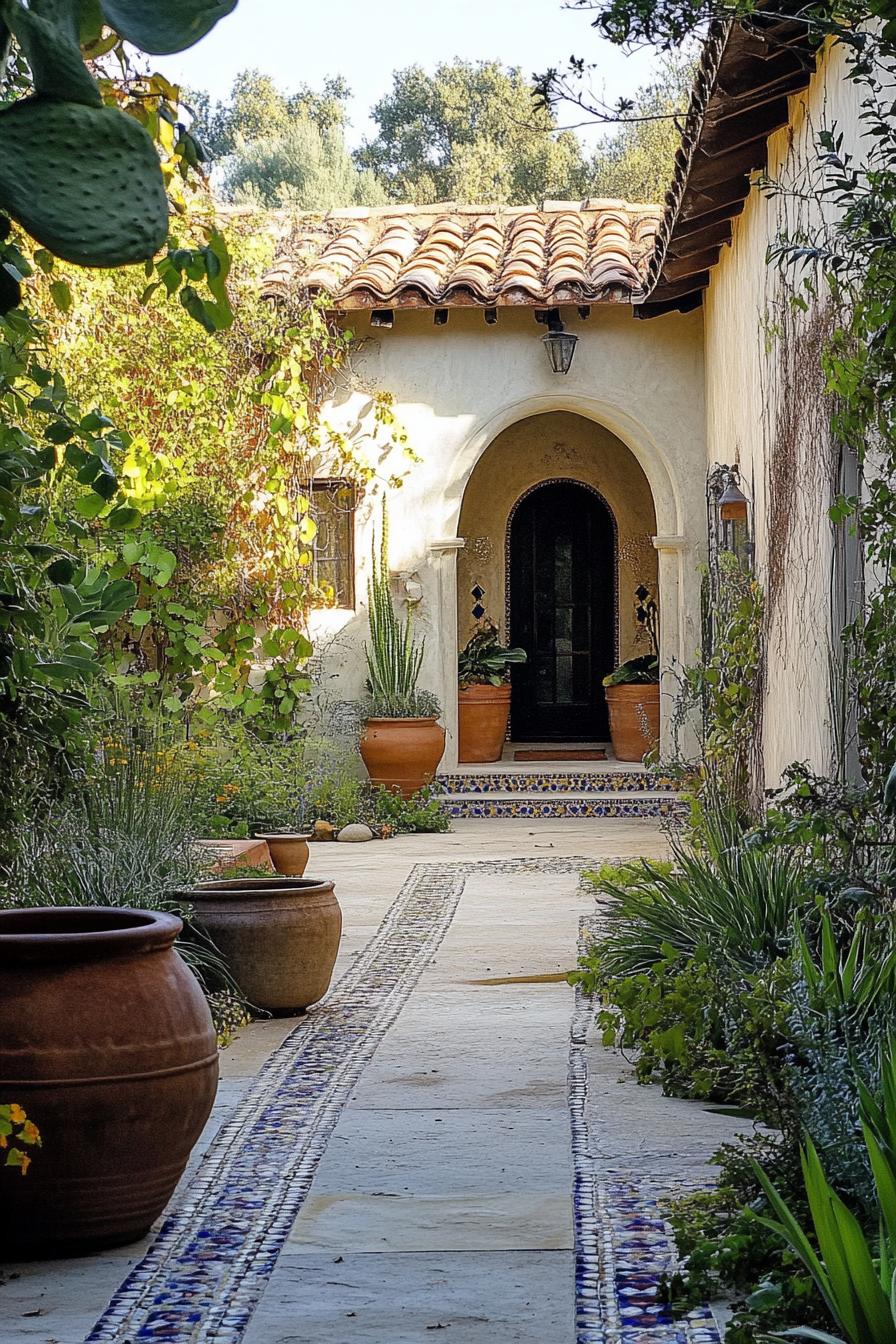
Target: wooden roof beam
[
  {"x": 731, "y": 138},
  {"x": 718, "y": 170},
  {"x": 711, "y": 235},
  {"x": 681, "y": 268},
  {"x": 698, "y": 204},
  {"x": 686, "y": 286},
  {"x": 728, "y": 103},
  {"x": 685, "y": 304},
  {"x": 697, "y": 223}
]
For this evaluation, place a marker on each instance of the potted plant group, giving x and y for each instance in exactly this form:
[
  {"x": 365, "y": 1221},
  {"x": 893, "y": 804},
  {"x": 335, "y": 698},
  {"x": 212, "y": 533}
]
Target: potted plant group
[
  {"x": 483, "y": 698},
  {"x": 402, "y": 742},
  {"x": 633, "y": 694}
]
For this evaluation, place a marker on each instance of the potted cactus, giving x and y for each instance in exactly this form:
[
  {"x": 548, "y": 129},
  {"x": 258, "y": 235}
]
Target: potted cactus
[
  {"x": 402, "y": 742},
  {"x": 483, "y": 698}
]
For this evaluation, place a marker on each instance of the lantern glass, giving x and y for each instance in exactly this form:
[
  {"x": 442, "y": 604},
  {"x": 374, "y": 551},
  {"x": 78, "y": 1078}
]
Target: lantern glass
[
  {"x": 561, "y": 346},
  {"x": 733, "y": 504}
]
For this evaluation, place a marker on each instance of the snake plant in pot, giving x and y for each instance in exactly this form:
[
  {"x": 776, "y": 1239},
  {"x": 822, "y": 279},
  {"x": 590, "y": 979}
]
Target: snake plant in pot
[
  {"x": 402, "y": 742},
  {"x": 483, "y": 698}
]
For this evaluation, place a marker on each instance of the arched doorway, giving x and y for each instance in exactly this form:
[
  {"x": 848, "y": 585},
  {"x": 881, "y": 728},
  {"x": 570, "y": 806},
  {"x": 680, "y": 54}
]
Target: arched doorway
[{"x": 561, "y": 601}]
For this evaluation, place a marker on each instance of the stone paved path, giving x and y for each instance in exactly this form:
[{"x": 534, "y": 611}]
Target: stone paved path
[{"x": 400, "y": 1163}]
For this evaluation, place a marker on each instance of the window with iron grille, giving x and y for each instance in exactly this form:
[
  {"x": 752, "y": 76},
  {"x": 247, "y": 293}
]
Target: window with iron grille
[{"x": 333, "y": 509}]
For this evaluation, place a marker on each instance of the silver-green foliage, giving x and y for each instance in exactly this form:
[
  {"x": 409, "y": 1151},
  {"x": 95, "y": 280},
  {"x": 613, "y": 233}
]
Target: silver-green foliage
[
  {"x": 394, "y": 657},
  {"x": 123, "y": 839},
  {"x": 739, "y": 903},
  {"x": 854, "y": 1269}
]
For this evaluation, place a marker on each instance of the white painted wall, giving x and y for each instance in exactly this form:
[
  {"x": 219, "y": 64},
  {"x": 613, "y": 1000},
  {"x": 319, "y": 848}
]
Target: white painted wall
[
  {"x": 761, "y": 416},
  {"x": 456, "y": 388}
]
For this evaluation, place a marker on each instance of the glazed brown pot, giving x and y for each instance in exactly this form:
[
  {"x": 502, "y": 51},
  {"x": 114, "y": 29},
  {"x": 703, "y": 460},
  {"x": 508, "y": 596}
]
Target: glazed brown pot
[
  {"x": 108, "y": 1044},
  {"x": 402, "y": 754},
  {"x": 634, "y": 719},
  {"x": 289, "y": 853},
  {"x": 279, "y": 936},
  {"x": 482, "y": 713}
]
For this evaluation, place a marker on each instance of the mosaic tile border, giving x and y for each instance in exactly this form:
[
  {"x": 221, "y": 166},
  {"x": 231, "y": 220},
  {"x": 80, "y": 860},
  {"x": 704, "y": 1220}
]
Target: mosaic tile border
[
  {"x": 623, "y": 1244},
  {"x": 550, "y": 781},
  {"x": 540, "y": 809},
  {"x": 203, "y": 1276}
]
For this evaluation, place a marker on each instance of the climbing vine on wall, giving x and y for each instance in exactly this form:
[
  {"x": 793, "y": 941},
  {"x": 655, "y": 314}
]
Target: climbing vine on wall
[
  {"x": 225, "y": 449},
  {"x": 726, "y": 686},
  {"x": 854, "y": 257}
]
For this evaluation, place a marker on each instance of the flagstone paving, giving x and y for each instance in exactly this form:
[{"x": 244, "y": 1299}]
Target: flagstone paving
[{"x": 441, "y": 1145}]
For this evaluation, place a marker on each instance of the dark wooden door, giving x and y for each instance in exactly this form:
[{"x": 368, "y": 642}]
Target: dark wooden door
[{"x": 562, "y": 586}]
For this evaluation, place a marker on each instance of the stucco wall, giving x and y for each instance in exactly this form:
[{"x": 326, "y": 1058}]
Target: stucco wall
[
  {"x": 556, "y": 444},
  {"x": 766, "y": 411},
  {"x": 457, "y": 388}
]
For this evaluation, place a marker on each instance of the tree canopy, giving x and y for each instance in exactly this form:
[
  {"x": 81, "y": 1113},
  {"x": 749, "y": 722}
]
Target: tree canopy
[
  {"x": 471, "y": 131},
  {"x": 302, "y": 166},
  {"x": 283, "y": 149},
  {"x": 635, "y": 160}
]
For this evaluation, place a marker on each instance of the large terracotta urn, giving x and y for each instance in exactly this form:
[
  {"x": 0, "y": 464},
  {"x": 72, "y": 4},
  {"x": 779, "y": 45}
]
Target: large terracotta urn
[
  {"x": 108, "y": 1044},
  {"x": 279, "y": 936},
  {"x": 289, "y": 853},
  {"x": 402, "y": 754},
  {"x": 634, "y": 719},
  {"x": 482, "y": 712}
]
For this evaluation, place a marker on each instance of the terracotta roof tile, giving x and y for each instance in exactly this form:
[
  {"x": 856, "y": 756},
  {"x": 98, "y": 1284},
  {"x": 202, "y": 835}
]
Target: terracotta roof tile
[{"x": 438, "y": 255}]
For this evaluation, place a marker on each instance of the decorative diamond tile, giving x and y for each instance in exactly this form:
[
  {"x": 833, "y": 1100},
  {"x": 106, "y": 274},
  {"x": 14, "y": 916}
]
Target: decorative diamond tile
[
  {"x": 479, "y": 611},
  {"x": 478, "y": 592}
]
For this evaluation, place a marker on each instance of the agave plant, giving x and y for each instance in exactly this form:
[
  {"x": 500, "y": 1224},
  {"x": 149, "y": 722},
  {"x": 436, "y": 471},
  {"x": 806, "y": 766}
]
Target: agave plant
[
  {"x": 394, "y": 657},
  {"x": 853, "y": 1271},
  {"x": 740, "y": 902}
]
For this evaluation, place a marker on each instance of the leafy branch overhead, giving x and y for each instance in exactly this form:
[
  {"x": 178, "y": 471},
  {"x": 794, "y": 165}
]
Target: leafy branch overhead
[{"x": 79, "y": 172}]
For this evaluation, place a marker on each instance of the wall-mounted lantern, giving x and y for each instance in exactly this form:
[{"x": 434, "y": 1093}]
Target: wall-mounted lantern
[
  {"x": 560, "y": 345},
  {"x": 733, "y": 503},
  {"x": 729, "y": 514}
]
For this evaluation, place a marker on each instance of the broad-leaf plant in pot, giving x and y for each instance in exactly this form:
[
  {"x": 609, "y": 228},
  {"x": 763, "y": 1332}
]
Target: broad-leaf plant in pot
[
  {"x": 402, "y": 742},
  {"x": 483, "y": 698},
  {"x": 633, "y": 694}
]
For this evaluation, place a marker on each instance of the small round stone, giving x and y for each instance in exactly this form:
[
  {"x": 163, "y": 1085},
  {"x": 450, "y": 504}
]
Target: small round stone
[{"x": 355, "y": 833}]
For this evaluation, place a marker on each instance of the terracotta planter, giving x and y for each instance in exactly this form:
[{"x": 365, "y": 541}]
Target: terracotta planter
[
  {"x": 634, "y": 719},
  {"x": 108, "y": 1044},
  {"x": 402, "y": 754},
  {"x": 482, "y": 713},
  {"x": 279, "y": 936},
  {"x": 289, "y": 853}
]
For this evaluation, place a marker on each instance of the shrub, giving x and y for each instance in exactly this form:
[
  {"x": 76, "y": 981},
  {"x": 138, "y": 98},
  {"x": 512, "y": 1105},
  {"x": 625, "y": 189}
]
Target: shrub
[{"x": 123, "y": 839}]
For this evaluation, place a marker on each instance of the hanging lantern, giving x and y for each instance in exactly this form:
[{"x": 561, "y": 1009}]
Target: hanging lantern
[
  {"x": 733, "y": 503},
  {"x": 561, "y": 346}
]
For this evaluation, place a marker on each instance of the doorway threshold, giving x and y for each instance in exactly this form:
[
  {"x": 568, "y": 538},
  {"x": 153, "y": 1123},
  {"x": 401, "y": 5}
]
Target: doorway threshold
[{"x": 549, "y": 756}]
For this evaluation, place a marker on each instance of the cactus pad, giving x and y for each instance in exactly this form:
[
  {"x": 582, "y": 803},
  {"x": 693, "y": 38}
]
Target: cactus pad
[
  {"x": 84, "y": 181},
  {"x": 166, "y": 25}
]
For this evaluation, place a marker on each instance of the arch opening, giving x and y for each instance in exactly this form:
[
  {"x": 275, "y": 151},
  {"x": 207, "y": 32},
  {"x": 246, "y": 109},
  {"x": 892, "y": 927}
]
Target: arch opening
[{"x": 558, "y": 519}]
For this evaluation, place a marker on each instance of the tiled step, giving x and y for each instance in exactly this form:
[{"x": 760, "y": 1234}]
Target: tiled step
[
  {"x": 556, "y": 781},
  {"x": 495, "y": 805}
]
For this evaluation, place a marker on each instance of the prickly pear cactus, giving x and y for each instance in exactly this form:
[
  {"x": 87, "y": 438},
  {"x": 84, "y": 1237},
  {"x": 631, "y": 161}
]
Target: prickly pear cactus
[
  {"x": 81, "y": 178},
  {"x": 165, "y": 25},
  {"x": 84, "y": 181}
]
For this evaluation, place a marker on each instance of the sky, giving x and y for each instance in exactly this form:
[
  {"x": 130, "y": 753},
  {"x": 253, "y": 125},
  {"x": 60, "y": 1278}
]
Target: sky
[{"x": 365, "y": 40}]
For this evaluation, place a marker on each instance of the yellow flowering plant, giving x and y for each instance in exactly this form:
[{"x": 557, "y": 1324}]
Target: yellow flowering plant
[{"x": 17, "y": 1133}]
